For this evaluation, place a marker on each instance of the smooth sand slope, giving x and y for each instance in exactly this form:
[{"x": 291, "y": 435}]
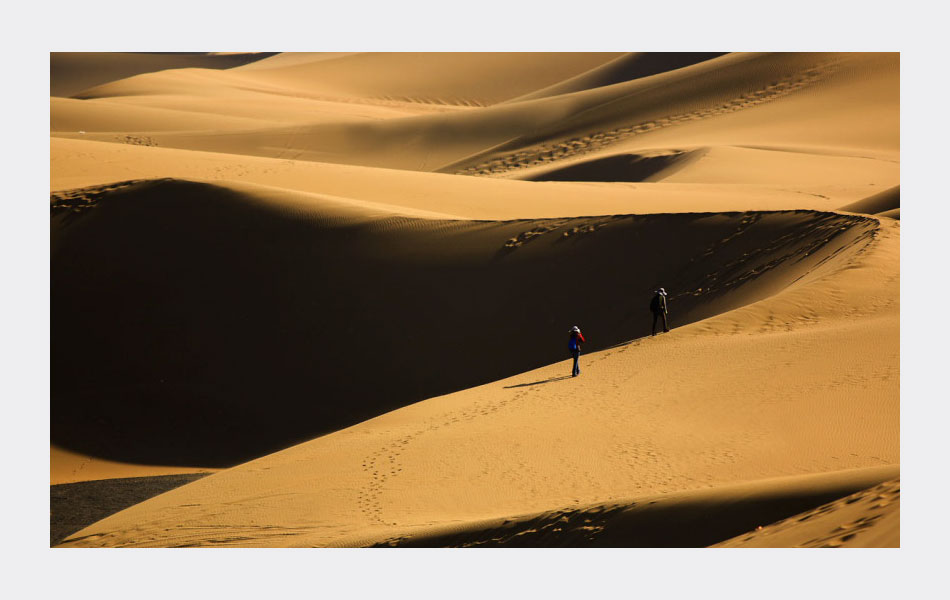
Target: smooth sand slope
[{"x": 357, "y": 271}]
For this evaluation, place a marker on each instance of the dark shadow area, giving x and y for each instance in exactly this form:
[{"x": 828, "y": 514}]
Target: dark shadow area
[
  {"x": 194, "y": 325},
  {"x": 621, "y": 167},
  {"x": 679, "y": 522},
  {"x": 74, "y": 506}
]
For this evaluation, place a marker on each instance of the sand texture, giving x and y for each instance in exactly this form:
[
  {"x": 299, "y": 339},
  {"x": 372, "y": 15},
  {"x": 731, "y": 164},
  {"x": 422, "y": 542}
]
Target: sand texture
[{"x": 342, "y": 284}]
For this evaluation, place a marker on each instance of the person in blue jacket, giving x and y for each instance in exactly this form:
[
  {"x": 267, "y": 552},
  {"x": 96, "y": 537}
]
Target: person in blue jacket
[{"x": 574, "y": 345}]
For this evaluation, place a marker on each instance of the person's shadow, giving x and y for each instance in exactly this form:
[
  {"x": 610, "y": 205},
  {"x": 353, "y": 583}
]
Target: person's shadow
[{"x": 538, "y": 382}]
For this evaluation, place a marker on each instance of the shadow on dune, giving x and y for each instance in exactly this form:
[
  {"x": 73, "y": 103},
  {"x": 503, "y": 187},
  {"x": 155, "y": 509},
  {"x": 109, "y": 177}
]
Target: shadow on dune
[
  {"x": 199, "y": 325},
  {"x": 880, "y": 204},
  {"x": 693, "y": 519},
  {"x": 549, "y": 380},
  {"x": 621, "y": 167}
]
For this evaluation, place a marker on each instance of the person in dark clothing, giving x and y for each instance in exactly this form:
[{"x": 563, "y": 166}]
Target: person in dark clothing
[
  {"x": 574, "y": 345},
  {"x": 659, "y": 308}
]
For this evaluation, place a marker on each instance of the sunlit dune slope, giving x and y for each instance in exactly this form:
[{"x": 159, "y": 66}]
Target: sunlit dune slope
[
  {"x": 804, "y": 382},
  {"x": 83, "y": 163},
  {"x": 843, "y": 107},
  {"x": 228, "y": 321}
]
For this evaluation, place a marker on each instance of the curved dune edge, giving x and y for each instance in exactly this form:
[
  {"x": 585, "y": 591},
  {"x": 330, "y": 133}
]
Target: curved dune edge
[
  {"x": 866, "y": 519},
  {"x": 651, "y": 166},
  {"x": 541, "y": 443},
  {"x": 69, "y": 467},
  {"x": 881, "y": 203},
  {"x": 630, "y": 66}
]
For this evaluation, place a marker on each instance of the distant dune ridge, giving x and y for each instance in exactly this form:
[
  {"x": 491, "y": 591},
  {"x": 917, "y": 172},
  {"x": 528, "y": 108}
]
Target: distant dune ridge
[
  {"x": 343, "y": 282},
  {"x": 887, "y": 203},
  {"x": 72, "y": 72}
]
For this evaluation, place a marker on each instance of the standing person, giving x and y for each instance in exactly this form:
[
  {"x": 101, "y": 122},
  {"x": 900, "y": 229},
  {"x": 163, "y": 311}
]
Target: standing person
[
  {"x": 574, "y": 345},
  {"x": 659, "y": 308}
]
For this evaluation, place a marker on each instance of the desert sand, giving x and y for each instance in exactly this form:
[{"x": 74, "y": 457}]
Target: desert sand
[{"x": 343, "y": 283}]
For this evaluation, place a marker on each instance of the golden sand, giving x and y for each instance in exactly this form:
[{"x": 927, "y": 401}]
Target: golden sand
[{"x": 345, "y": 282}]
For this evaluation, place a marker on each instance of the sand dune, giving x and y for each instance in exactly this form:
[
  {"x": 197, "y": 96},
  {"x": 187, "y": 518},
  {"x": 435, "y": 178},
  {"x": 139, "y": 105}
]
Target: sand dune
[
  {"x": 478, "y": 79},
  {"x": 646, "y": 418},
  {"x": 340, "y": 301},
  {"x": 731, "y": 101},
  {"x": 345, "y": 279}
]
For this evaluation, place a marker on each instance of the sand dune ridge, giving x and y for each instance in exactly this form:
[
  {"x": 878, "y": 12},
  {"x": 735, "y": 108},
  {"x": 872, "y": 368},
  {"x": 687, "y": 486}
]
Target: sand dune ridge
[{"x": 212, "y": 227}]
